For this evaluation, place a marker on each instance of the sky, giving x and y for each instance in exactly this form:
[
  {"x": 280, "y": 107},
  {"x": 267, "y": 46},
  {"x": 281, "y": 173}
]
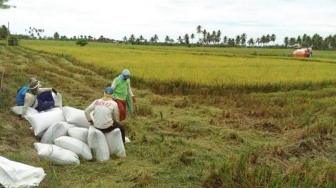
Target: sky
[{"x": 118, "y": 18}]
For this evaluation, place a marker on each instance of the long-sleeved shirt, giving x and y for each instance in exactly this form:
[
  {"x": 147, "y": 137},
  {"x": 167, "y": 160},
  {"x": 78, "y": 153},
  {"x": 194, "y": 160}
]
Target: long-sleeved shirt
[
  {"x": 114, "y": 84},
  {"x": 105, "y": 112},
  {"x": 30, "y": 100}
]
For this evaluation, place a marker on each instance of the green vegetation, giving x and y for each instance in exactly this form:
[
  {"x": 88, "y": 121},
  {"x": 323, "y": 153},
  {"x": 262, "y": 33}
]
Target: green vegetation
[{"x": 276, "y": 139}]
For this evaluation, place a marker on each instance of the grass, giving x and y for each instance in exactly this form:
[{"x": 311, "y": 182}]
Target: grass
[
  {"x": 275, "y": 139},
  {"x": 219, "y": 68}
]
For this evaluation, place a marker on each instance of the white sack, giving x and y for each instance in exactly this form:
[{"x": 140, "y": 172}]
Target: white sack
[
  {"x": 15, "y": 174},
  {"x": 56, "y": 154},
  {"x": 18, "y": 110},
  {"x": 75, "y": 116},
  {"x": 42, "y": 121},
  {"x": 56, "y": 130},
  {"x": 98, "y": 144},
  {"x": 57, "y": 99},
  {"x": 74, "y": 145},
  {"x": 115, "y": 143},
  {"x": 79, "y": 133}
]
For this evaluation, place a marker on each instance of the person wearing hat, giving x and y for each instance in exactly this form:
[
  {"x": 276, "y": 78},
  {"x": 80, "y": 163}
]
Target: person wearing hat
[
  {"x": 105, "y": 114},
  {"x": 30, "y": 97},
  {"x": 123, "y": 94}
]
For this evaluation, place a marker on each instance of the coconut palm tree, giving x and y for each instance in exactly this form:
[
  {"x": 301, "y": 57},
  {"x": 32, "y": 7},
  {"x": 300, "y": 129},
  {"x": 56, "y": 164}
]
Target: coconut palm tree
[
  {"x": 204, "y": 35},
  {"x": 273, "y": 38},
  {"x": 286, "y": 41},
  {"x": 192, "y": 37},
  {"x": 243, "y": 39},
  {"x": 225, "y": 40},
  {"x": 167, "y": 39},
  {"x": 250, "y": 42}
]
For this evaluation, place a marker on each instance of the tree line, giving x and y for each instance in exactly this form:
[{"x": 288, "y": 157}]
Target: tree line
[{"x": 201, "y": 37}]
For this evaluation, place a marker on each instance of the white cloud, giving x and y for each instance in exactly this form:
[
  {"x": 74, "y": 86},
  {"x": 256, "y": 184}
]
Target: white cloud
[{"x": 116, "y": 18}]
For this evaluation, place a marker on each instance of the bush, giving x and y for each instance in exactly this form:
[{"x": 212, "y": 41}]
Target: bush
[
  {"x": 13, "y": 41},
  {"x": 81, "y": 42}
]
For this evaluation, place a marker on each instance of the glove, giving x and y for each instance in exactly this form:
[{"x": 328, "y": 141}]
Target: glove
[{"x": 54, "y": 90}]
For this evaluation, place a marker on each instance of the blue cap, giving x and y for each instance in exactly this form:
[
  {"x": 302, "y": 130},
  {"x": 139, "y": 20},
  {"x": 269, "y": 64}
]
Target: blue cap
[
  {"x": 108, "y": 90},
  {"x": 126, "y": 72}
]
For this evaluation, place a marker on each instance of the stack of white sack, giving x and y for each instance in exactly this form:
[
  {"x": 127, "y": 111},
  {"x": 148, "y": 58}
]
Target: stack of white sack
[{"x": 67, "y": 136}]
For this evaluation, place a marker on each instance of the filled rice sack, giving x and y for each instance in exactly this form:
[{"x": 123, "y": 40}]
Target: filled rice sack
[
  {"x": 18, "y": 110},
  {"x": 56, "y": 154},
  {"x": 75, "y": 116},
  {"x": 15, "y": 174},
  {"x": 42, "y": 121},
  {"x": 79, "y": 133},
  {"x": 56, "y": 130},
  {"x": 98, "y": 144},
  {"x": 74, "y": 145},
  {"x": 115, "y": 143}
]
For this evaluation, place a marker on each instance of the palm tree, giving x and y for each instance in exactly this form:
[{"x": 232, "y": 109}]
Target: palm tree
[
  {"x": 286, "y": 41},
  {"x": 268, "y": 38},
  {"x": 213, "y": 37},
  {"x": 180, "y": 40},
  {"x": 208, "y": 38},
  {"x": 292, "y": 41},
  {"x": 243, "y": 39},
  {"x": 141, "y": 39},
  {"x": 238, "y": 40},
  {"x": 131, "y": 39},
  {"x": 156, "y": 38},
  {"x": 258, "y": 41},
  {"x": 167, "y": 39},
  {"x": 263, "y": 40},
  {"x": 192, "y": 37},
  {"x": 225, "y": 40},
  {"x": 199, "y": 32},
  {"x": 204, "y": 35},
  {"x": 273, "y": 38},
  {"x": 186, "y": 39},
  {"x": 199, "y": 29},
  {"x": 250, "y": 42},
  {"x": 218, "y": 36}
]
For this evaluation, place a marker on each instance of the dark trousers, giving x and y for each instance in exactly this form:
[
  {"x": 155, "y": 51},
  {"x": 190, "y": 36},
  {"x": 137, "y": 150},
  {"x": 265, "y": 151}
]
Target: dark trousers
[{"x": 115, "y": 125}]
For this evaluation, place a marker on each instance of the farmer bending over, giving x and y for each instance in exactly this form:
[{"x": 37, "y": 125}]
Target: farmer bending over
[
  {"x": 122, "y": 93},
  {"x": 105, "y": 114}
]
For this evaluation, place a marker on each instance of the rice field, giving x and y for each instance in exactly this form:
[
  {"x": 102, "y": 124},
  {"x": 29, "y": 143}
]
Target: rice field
[{"x": 201, "y": 66}]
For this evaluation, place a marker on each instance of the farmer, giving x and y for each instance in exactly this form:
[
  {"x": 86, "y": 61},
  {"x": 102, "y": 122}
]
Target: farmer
[
  {"x": 122, "y": 93},
  {"x": 32, "y": 96},
  {"x": 105, "y": 114}
]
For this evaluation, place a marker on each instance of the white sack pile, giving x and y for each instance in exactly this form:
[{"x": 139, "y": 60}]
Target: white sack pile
[{"x": 66, "y": 136}]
